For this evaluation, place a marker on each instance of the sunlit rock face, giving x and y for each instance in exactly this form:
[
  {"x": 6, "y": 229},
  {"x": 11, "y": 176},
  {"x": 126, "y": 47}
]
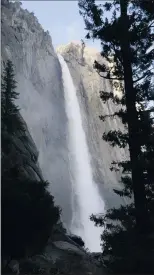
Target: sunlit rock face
[{"x": 88, "y": 84}]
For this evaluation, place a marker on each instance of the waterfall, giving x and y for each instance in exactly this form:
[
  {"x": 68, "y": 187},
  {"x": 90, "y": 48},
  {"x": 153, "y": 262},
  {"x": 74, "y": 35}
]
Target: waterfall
[{"x": 85, "y": 196}]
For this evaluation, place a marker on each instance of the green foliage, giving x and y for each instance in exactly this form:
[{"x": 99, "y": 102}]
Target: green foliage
[
  {"x": 123, "y": 249},
  {"x": 116, "y": 138},
  {"x": 126, "y": 39},
  {"x": 28, "y": 211},
  {"x": 11, "y": 121}
]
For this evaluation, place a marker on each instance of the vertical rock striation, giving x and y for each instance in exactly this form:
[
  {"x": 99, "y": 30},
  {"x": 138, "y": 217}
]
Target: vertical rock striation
[
  {"x": 42, "y": 107},
  {"x": 41, "y": 100},
  {"x": 88, "y": 84}
]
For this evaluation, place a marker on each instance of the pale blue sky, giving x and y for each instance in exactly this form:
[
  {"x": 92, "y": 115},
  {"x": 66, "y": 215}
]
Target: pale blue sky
[{"x": 61, "y": 19}]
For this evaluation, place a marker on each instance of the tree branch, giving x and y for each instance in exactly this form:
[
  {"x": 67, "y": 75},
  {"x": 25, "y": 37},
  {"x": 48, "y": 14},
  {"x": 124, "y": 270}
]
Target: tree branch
[
  {"x": 106, "y": 77},
  {"x": 104, "y": 117},
  {"x": 151, "y": 25},
  {"x": 140, "y": 78},
  {"x": 147, "y": 111}
]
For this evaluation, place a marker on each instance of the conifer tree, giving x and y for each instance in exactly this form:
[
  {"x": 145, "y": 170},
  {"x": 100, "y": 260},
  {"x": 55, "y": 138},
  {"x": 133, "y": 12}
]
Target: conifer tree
[
  {"x": 28, "y": 211},
  {"x": 128, "y": 32},
  {"x": 124, "y": 250},
  {"x": 10, "y": 112},
  {"x": 126, "y": 40},
  {"x": 11, "y": 123},
  {"x": 28, "y": 216}
]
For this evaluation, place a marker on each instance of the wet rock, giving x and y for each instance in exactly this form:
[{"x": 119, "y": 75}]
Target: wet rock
[{"x": 88, "y": 84}]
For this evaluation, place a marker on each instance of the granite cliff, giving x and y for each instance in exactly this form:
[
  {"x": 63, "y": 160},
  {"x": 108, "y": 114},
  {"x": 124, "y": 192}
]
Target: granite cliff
[
  {"x": 88, "y": 84},
  {"x": 42, "y": 107},
  {"x": 39, "y": 76},
  {"x": 41, "y": 101}
]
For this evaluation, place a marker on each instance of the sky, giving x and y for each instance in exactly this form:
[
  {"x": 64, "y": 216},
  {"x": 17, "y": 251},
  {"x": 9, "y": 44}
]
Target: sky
[{"x": 61, "y": 19}]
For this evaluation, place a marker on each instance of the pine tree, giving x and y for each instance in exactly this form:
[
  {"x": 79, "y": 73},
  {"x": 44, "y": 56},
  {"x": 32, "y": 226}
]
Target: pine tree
[
  {"x": 126, "y": 41},
  {"x": 28, "y": 210},
  {"x": 125, "y": 251},
  {"x": 122, "y": 37},
  {"x": 28, "y": 216},
  {"x": 11, "y": 121}
]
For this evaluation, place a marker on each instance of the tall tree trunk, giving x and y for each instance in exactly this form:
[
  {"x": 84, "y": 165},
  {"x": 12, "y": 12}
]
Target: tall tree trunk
[{"x": 134, "y": 147}]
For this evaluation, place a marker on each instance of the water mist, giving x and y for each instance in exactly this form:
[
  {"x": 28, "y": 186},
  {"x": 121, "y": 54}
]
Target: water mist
[{"x": 85, "y": 195}]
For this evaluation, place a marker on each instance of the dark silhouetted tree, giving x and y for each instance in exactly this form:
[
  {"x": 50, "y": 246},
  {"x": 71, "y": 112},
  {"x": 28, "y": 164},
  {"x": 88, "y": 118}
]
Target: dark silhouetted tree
[
  {"x": 28, "y": 212},
  {"x": 126, "y": 39},
  {"x": 28, "y": 216},
  {"x": 11, "y": 121}
]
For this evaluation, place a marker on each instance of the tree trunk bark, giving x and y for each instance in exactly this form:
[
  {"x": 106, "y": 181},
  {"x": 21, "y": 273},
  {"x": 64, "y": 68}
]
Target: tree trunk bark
[{"x": 134, "y": 147}]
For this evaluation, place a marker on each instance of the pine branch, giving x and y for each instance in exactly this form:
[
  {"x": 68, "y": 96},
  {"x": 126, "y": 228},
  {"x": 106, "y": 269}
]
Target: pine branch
[
  {"x": 140, "y": 78},
  {"x": 116, "y": 138},
  {"x": 105, "y": 96},
  {"x": 104, "y": 69},
  {"x": 121, "y": 114},
  {"x": 125, "y": 165},
  {"x": 110, "y": 78},
  {"x": 106, "y": 116}
]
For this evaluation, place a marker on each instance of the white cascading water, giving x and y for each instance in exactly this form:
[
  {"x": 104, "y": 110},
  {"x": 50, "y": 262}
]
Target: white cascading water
[{"x": 83, "y": 187}]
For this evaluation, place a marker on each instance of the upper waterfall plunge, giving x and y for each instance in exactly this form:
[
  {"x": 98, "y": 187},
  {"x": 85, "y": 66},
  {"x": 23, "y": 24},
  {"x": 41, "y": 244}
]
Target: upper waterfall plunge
[{"x": 84, "y": 190}]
